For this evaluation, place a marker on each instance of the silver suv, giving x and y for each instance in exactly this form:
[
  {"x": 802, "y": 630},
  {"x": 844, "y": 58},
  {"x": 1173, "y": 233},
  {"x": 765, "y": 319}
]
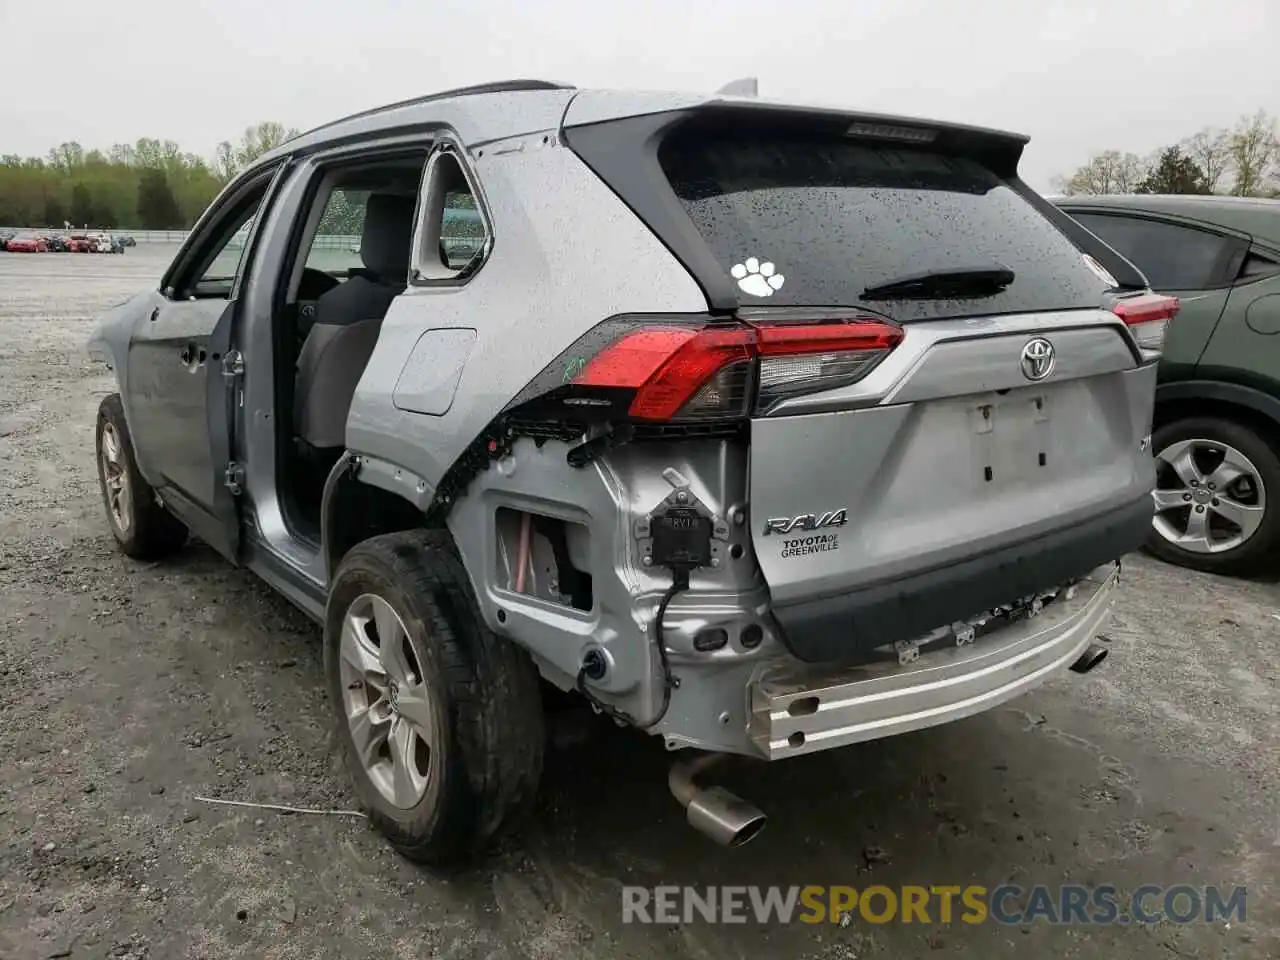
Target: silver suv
[{"x": 766, "y": 429}]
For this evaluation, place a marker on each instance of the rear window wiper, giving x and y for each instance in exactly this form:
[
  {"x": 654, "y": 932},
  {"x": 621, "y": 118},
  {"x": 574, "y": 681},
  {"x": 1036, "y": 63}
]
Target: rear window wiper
[{"x": 945, "y": 284}]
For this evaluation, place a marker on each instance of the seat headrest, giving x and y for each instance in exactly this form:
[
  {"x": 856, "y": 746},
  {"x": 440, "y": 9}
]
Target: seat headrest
[{"x": 387, "y": 235}]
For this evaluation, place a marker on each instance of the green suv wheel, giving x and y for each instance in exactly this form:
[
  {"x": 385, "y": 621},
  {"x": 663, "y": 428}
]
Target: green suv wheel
[{"x": 1216, "y": 497}]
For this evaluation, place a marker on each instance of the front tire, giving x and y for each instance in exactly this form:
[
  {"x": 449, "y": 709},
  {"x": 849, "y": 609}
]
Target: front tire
[
  {"x": 439, "y": 720},
  {"x": 1217, "y": 497},
  {"x": 143, "y": 528}
]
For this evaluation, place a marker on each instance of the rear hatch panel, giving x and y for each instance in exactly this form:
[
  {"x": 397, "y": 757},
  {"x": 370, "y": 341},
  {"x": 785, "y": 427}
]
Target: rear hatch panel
[
  {"x": 953, "y": 477},
  {"x": 941, "y": 475}
]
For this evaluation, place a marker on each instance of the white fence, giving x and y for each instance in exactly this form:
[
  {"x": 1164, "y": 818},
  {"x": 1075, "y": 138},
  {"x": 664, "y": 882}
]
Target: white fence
[{"x": 332, "y": 241}]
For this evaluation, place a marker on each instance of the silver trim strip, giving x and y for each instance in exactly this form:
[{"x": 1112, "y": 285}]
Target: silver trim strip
[{"x": 884, "y": 699}]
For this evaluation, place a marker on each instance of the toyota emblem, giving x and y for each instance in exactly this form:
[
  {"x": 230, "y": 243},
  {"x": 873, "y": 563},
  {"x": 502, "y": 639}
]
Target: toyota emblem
[{"x": 1037, "y": 359}]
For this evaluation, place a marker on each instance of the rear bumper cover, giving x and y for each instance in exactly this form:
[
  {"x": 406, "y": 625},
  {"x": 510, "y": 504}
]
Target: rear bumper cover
[
  {"x": 846, "y": 627},
  {"x": 801, "y": 709}
]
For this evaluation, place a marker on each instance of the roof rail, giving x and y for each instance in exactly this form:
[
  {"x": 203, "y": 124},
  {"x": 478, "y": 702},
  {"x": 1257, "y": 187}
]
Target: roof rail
[{"x": 498, "y": 86}]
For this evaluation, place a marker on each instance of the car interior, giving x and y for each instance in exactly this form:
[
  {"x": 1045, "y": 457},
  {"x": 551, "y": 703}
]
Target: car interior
[{"x": 335, "y": 300}]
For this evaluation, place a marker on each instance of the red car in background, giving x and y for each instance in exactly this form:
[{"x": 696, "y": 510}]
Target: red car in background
[
  {"x": 79, "y": 243},
  {"x": 27, "y": 244}
]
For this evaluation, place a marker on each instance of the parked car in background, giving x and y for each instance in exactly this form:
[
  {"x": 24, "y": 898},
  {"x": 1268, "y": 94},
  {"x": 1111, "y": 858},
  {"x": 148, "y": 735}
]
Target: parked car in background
[
  {"x": 1217, "y": 417},
  {"x": 126, "y": 240},
  {"x": 27, "y": 243},
  {"x": 57, "y": 243},
  {"x": 5, "y": 236}
]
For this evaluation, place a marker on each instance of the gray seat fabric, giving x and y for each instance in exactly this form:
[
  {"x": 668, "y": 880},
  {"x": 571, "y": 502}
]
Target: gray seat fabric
[{"x": 347, "y": 321}]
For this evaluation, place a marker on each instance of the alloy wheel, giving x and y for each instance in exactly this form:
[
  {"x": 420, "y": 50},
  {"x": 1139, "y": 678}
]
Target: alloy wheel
[
  {"x": 115, "y": 477},
  {"x": 1209, "y": 497},
  {"x": 387, "y": 702}
]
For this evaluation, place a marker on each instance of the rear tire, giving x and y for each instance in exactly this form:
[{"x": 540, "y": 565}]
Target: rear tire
[
  {"x": 1241, "y": 509},
  {"x": 441, "y": 728},
  {"x": 142, "y": 527}
]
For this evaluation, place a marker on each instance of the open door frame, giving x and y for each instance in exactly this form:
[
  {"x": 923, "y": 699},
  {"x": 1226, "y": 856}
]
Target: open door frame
[{"x": 225, "y": 387}]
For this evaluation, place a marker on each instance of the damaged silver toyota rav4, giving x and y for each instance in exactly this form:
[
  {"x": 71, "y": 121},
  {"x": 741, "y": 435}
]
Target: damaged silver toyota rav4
[{"x": 765, "y": 428}]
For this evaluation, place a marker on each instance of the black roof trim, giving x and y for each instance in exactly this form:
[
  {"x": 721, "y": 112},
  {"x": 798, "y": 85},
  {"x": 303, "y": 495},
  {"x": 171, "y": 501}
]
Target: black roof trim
[{"x": 498, "y": 86}]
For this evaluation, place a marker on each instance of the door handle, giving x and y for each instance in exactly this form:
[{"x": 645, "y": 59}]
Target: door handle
[
  {"x": 188, "y": 354},
  {"x": 155, "y": 313}
]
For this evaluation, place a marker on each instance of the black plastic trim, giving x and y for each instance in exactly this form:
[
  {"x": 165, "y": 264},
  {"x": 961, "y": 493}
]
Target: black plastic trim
[
  {"x": 846, "y": 628},
  {"x": 1125, "y": 272},
  {"x": 624, "y": 154},
  {"x": 1262, "y": 402}
]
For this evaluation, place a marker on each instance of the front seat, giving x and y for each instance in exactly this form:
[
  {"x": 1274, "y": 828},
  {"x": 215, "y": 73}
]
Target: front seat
[{"x": 347, "y": 321}]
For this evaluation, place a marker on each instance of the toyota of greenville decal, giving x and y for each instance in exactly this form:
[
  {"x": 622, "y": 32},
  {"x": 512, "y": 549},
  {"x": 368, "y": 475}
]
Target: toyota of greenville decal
[
  {"x": 808, "y": 525},
  {"x": 803, "y": 546}
]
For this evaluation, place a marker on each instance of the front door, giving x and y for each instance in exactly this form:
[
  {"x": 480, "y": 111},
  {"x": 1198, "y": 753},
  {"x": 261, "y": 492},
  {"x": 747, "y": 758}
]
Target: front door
[
  {"x": 170, "y": 362},
  {"x": 182, "y": 391}
]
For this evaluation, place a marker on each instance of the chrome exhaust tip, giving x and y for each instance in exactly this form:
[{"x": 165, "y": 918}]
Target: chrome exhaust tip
[
  {"x": 727, "y": 819},
  {"x": 713, "y": 811},
  {"x": 1092, "y": 656}
]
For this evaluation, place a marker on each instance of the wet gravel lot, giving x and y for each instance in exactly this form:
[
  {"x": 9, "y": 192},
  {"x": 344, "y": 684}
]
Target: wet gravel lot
[{"x": 127, "y": 690}]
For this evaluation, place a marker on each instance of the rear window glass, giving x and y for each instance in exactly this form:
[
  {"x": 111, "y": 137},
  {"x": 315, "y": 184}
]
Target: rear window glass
[{"x": 833, "y": 218}]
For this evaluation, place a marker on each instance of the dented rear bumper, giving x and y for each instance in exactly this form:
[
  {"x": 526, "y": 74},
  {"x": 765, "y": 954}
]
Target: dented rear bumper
[
  {"x": 843, "y": 627},
  {"x": 798, "y": 708}
]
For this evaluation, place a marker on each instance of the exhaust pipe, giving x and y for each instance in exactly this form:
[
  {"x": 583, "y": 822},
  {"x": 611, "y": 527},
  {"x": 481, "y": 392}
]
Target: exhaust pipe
[
  {"x": 727, "y": 819},
  {"x": 1092, "y": 656}
]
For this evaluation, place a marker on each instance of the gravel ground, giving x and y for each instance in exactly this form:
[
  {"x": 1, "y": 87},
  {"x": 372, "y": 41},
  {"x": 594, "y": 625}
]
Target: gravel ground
[{"x": 126, "y": 690}]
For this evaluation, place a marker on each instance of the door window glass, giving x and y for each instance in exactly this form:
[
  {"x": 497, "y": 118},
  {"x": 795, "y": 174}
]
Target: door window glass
[
  {"x": 1173, "y": 257},
  {"x": 221, "y": 255},
  {"x": 335, "y": 248},
  {"x": 453, "y": 233}
]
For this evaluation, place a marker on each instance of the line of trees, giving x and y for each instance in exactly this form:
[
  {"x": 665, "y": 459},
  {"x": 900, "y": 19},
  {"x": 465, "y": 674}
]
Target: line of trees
[
  {"x": 147, "y": 185},
  {"x": 1242, "y": 160}
]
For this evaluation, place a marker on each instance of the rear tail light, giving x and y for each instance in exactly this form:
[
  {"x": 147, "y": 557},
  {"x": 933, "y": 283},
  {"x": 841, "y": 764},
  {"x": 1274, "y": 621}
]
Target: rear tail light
[
  {"x": 1147, "y": 316},
  {"x": 682, "y": 373}
]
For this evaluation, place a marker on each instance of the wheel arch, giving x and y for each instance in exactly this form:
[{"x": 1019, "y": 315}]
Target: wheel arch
[
  {"x": 1231, "y": 401},
  {"x": 365, "y": 497}
]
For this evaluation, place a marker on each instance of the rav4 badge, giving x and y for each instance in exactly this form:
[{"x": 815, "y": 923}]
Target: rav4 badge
[{"x": 806, "y": 522}]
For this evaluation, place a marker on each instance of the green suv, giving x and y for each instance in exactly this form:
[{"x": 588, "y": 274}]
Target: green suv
[{"x": 1216, "y": 434}]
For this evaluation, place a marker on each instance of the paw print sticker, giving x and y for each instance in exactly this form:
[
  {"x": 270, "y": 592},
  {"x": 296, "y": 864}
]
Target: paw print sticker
[{"x": 756, "y": 278}]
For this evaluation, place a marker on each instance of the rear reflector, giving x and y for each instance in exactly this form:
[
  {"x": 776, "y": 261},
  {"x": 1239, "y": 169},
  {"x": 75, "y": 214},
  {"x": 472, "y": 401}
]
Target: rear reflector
[
  {"x": 1147, "y": 317},
  {"x": 690, "y": 373}
]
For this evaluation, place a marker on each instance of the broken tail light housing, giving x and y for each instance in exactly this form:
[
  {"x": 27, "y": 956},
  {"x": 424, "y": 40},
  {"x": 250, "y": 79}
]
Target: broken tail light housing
[
  {"x": 1147, "y": 316},
  {"x": 716, "y": 371}
]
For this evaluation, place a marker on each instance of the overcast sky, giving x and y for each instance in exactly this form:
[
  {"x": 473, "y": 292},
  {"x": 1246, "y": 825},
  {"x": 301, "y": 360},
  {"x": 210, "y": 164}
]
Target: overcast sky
[{"x": 1077, "y": 76}]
